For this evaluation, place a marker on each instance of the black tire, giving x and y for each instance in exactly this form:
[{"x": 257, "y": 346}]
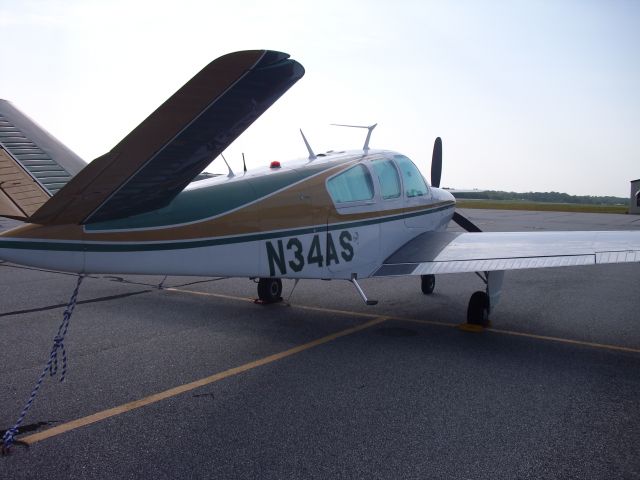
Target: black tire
[
  {"x": 270, "y": 290},
  {"x": 478, "y": 310},
  {"x": 428, "y": 283}
]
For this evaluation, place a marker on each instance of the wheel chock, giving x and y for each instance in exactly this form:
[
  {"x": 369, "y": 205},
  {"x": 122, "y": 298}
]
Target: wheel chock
[
  {"x": 259, "y": 301},
  {"x": 470, "y": 327}
]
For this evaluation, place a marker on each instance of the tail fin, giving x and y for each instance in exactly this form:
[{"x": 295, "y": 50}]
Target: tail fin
[
  {"x": 33, "y": 164},
  {"x": 162, "y": 155}
]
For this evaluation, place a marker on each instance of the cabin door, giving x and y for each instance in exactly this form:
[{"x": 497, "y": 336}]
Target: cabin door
[{"x": 353, "y": 228}]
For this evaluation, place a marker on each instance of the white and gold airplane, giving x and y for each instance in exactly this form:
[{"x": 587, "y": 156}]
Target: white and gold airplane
[{"x": 335, "y": 215}]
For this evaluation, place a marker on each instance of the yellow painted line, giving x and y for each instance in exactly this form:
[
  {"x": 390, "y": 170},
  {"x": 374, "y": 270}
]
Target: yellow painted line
[
  {"x": 463, "y": 327},
  {"x": 281, "y": 304},
  {"x": 603, "y": 346},
  {"x": 172, "y": 392},
  {"x": 583, "y": 343},
  {"x": 316, "y": 309}
]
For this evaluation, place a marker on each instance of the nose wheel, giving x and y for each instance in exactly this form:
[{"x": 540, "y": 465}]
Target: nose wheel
[{"x": 270, "y": 290}]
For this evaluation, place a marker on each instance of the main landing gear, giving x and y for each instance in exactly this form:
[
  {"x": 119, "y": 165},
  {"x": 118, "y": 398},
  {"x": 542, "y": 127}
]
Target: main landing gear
[
  {"x": 478, "y": 309},
  {"x": 428, "y": 283},
  {"x": 269, "y": 290},
  {"x": 481, "y": 304}
]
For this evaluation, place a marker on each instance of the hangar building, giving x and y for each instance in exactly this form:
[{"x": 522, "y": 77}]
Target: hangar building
[{"x": 634, "y": 201}]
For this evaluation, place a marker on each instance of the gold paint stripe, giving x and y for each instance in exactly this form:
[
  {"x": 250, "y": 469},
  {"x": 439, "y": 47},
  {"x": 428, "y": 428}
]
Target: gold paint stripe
[{"x": 172, "y": 392}]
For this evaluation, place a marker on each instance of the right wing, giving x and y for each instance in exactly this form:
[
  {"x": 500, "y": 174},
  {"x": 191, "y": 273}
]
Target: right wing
[
  {"x": 161, "y": 156},
  {"x": 452, "y": 252}
]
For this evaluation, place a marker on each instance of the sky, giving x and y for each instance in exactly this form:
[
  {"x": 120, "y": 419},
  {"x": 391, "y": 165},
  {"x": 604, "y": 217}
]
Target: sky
[{"x": 527, "y": 95}]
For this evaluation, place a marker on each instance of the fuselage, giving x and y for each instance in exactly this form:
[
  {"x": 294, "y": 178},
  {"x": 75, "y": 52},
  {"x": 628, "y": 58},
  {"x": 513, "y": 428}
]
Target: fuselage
[{"x": 339, "y": 214}]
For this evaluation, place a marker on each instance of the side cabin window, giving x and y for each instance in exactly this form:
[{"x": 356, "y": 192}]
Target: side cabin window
[
  {"x": 414, "y": 184},
  {"x": 389, "y": 179},
  {"x": 354, "y": 185}
]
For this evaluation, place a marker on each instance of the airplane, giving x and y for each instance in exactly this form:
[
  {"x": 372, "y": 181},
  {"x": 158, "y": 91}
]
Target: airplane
[{"x": 340, "y": 215}]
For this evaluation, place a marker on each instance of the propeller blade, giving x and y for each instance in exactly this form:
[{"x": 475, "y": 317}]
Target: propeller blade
[
  {"x": 436, "y": 163},
  {"x": 465, "y": 223}
]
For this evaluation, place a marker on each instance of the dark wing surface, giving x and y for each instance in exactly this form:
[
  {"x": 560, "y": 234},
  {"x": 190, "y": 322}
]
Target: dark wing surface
[
  {"x": 450, "y": 252},
  {"x": 160, "y": 157}
]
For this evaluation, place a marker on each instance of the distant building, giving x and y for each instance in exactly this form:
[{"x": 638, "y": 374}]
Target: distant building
[{"x": 634, "y": 202}]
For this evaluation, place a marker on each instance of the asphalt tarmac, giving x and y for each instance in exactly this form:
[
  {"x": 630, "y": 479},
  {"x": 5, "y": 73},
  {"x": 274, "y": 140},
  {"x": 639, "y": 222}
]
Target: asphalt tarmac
[{"x": 193, "y": 380}]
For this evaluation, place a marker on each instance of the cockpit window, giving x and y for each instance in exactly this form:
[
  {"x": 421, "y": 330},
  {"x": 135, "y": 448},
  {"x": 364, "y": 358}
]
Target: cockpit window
[
  {"x": 389, "y": 179},
  {"x": 414, "y": 185},
  {"x": 351, "y": 186}
]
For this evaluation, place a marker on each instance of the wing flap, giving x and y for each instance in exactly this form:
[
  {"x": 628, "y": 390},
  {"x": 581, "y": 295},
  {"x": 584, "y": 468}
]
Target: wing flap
[
  {"x": 154, "y": 163},
  {"x": 448, "y": 252}
]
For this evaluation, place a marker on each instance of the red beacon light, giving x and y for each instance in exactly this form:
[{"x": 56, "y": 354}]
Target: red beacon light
[{"x": 275, "y": 164}]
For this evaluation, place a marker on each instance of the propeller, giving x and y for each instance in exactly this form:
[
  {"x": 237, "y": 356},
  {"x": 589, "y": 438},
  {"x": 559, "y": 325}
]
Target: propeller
[
  {"x": 436, "y": 173},
  {"x": 436, "y": 163},
  {"x": 465, "y": 223}
]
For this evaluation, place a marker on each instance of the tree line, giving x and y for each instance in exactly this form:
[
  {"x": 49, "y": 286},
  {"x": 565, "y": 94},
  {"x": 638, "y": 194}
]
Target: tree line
[{"x": 548, "y": 197}]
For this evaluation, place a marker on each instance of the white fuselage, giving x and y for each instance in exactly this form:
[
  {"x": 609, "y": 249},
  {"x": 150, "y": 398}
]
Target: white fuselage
[{"x": 356, "y": 240}]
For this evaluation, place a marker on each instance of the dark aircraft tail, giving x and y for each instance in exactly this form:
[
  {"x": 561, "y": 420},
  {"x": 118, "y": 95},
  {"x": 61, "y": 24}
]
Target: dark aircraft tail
[{"x": 162, "y": 155}]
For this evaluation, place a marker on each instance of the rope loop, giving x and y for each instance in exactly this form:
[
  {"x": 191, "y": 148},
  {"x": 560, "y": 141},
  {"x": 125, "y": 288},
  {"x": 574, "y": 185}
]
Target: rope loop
[
  {"x": 51, "y": 367},
  {"x": 58, "y": 343}
]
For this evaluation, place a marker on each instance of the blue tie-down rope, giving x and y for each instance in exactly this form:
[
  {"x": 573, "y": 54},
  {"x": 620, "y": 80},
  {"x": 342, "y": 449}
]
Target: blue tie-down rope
[{"x": 51, "y": 367}]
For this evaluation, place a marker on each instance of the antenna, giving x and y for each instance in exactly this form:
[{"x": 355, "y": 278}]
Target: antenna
[
  {"x": 312, "y": 156},
  {"x": 244, "y": 164},
  {"x": 370, "y": 128},
  {"x": 231, "y": 174}
]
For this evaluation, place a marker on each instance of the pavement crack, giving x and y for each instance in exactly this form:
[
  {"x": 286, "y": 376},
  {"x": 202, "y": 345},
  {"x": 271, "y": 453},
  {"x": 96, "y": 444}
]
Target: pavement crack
[
  {"x": 204, "y": 395},
  {"x": 114, "y": 278},
  {"x": 45, "y": 270},
  {"x": 199, "y": 281},
  {"x": 62, "y": 305}
]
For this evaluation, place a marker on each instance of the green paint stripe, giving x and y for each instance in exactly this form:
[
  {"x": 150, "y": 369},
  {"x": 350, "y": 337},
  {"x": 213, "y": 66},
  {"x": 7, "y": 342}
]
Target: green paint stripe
[
  {"x": 202, "y": 203},
  {"x": 179, "y": 245}
]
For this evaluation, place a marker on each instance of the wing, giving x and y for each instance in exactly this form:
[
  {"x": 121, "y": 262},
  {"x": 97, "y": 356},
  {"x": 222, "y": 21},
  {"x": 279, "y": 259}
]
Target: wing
[
  {"x": 33, "y": 164},
  {"x": 36, "y": 151},
  {"x": 161, "y": 156},
  {"x": 449, "y": 252}
]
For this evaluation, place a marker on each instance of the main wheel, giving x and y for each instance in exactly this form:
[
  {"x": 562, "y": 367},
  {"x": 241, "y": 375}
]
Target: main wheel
[
  {"x": 270, "y": 290},
  {"x": 428, "y": 283},
  {"x": 478, "y": 310}
]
